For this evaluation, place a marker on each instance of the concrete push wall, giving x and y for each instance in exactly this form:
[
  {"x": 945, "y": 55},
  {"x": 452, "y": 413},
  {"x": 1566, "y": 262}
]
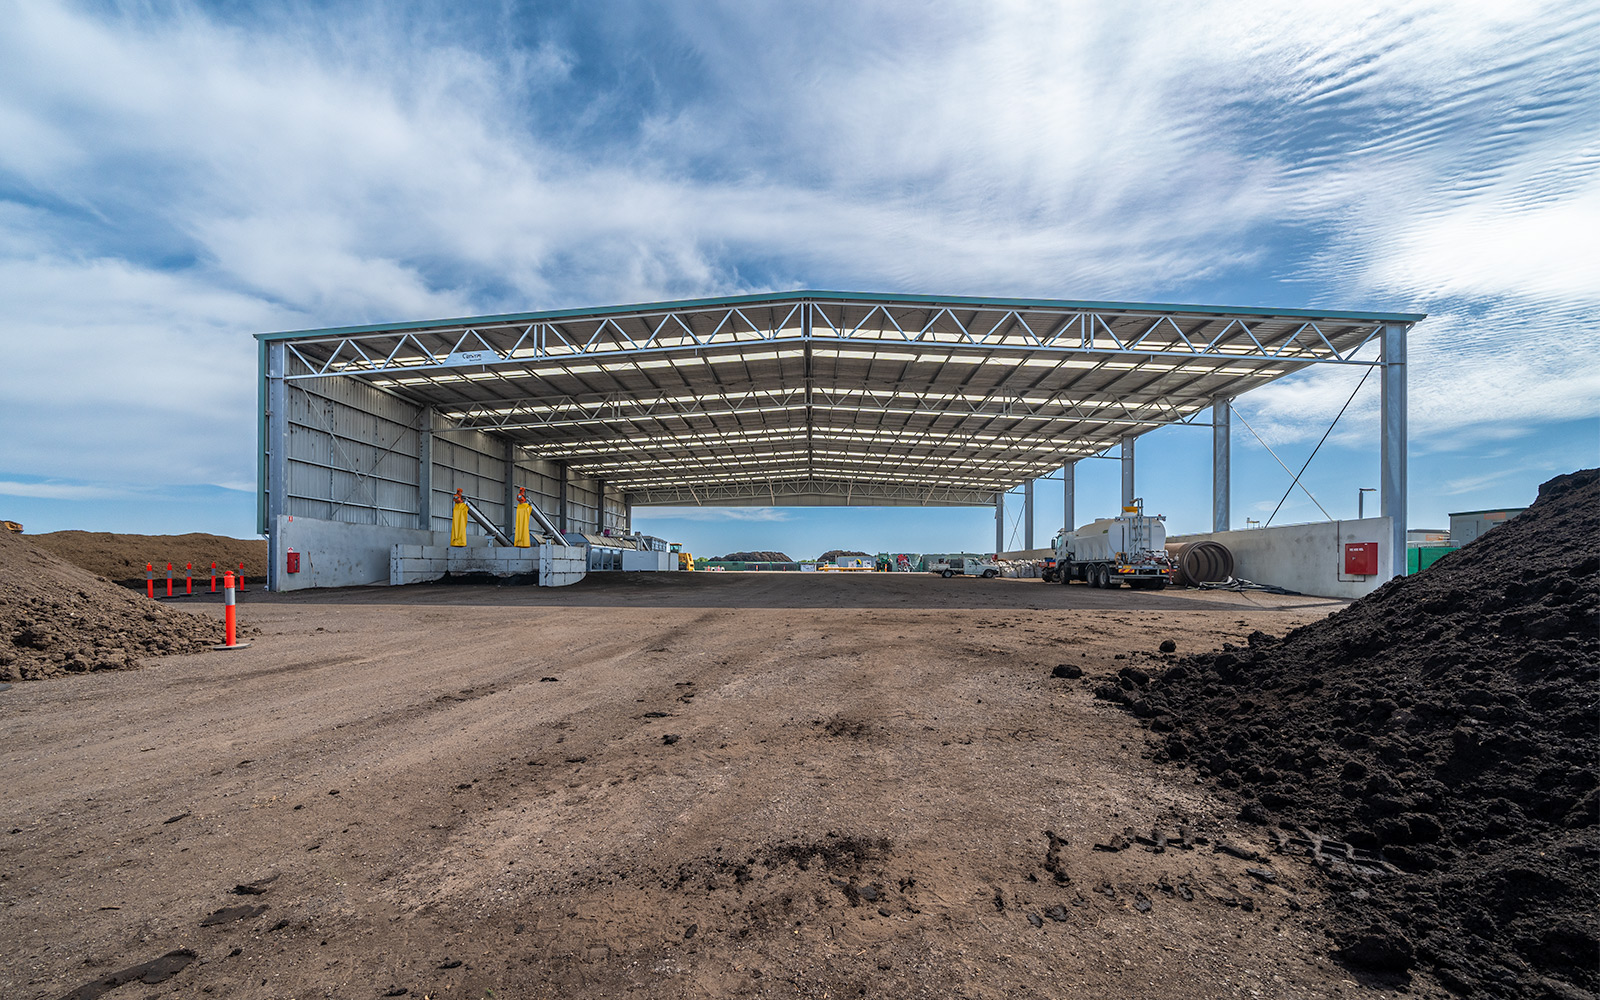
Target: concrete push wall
[
  {"x": 648, "y": 562},
  {"x": 337, "y": 553},
  {"x": 555, "y": 565},
  {"x": 1305, "y": 558},
  {"x": 340, "y": 554}
]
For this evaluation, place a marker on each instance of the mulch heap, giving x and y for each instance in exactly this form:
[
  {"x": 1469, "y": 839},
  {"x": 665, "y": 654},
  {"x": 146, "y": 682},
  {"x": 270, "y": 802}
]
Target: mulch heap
[
  {"x": 58, "y": 619},
  {"x": 122, "y": 558},
  {"x": 1449, "y": 720}
]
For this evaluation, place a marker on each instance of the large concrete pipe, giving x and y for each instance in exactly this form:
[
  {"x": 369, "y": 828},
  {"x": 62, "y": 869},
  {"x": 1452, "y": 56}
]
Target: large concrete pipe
[{"x": 1200, "y": 562}]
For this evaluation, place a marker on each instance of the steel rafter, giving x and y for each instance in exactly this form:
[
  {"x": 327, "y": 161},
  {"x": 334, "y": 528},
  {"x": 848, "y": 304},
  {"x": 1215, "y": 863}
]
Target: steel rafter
[{"x": 760, "y": 393}]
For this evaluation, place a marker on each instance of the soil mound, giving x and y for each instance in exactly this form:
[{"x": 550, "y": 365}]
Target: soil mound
[
  {"x": 56, "y": 618},
  {"x": 1450, "y": 720},
  {"x": 832, "y": 554},
  {"x": 762, "y": 556},
  {"x": 121, "y": 558}
]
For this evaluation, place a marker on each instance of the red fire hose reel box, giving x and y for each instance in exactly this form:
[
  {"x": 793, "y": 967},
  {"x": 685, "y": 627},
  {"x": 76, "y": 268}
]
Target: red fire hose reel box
[
  {"x": 294, "y": 561},
  {"x": 1360, "y": 558}
]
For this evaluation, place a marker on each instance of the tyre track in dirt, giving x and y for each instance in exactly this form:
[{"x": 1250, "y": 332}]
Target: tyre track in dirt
[{"x": 855, "y": 801}]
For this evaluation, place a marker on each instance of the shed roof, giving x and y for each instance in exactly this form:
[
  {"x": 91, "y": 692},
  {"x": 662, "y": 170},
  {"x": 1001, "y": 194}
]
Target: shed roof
[{"x": 819, "y": 397}]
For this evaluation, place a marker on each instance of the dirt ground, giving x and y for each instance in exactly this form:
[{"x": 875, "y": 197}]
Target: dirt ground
[{"x": 675, "y": 786}]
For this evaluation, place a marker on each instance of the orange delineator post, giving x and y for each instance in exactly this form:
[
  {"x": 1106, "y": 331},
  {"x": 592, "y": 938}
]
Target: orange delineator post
[
  {"x": 213, "y": 578},
  {"x": 241, "y": 576},
  {"x": 188, "y": 578},
  {"x": 150, "y": 580},
  {"x": 229, "y": 621},
  {"x": 169, "y": 579}
]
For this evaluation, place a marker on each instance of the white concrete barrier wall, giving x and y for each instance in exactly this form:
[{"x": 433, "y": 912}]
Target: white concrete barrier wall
[
  {"x": 336, "y": 554},
  {"x": 1305, "y": 558},
  {"x": 554, "y": 565},
  {"x": 648, "y": 562}
]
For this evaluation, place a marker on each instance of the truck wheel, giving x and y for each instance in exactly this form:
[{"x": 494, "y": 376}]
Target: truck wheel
[
  {"x": 990, "y": 574},
  {"x": 947, "y": 574},
  {"x": 1093, "y": 576}
]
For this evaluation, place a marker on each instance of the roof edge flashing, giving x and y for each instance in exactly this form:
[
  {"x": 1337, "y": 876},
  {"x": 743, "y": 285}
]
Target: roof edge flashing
[{"x": 878, "y": 298}]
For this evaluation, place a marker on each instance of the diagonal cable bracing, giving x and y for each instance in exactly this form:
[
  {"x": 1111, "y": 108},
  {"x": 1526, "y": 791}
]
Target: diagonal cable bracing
[
  {"x": 1318, "y": 448},
  {"x": 1275, "y": 457}
]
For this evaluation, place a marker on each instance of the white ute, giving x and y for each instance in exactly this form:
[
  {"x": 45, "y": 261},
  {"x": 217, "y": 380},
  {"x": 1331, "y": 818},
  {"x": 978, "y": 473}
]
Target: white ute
[{"x": 948, "y": 566}]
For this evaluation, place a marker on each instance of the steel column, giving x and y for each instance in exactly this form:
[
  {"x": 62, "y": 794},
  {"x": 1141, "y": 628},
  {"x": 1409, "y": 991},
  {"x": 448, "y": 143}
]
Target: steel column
[
  {"x": 277, "y": 456},
  {"x": 1069, "y": 495},
  {"x": 1393, "y": 475},
  {"x": 425, "y": 470},
  {"x": 627, "y": 516},
  {"x": 561, "y": 515},
  {"x": 510, "y": 526},
  {"x": 1027, "y": 514},
  {"x": 1221, "y": 466},
  {"x": 999, "y": 522},
  {"x": 1127, "y": 471}
]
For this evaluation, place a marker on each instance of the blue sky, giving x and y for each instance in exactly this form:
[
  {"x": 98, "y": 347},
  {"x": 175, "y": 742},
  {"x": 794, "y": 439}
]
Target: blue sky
[{"x": 176, "y": 177}]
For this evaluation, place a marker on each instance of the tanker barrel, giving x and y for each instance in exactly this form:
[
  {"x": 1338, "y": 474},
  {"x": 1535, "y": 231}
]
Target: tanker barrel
[{"x": 1200, "y": 562}]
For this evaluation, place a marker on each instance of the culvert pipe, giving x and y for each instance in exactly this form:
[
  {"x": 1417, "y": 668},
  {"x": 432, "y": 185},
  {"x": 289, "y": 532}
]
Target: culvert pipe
[{"x": 1200, "y": 562}]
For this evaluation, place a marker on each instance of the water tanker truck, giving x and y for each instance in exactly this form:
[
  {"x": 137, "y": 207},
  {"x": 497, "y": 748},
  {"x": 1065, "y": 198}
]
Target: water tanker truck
[{"x": 1111, "y": 551}]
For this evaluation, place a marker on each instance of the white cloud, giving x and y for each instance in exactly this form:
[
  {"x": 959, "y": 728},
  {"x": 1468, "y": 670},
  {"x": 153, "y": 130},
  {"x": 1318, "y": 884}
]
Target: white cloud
[
  {"x": 183, "y": 182},
  {"x": 745, "y": 514},
  {"x": 51, "y": 491}
]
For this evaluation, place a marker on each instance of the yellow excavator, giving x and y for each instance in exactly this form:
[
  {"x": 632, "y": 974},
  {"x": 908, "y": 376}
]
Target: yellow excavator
[{"x": 11, "y": 526}]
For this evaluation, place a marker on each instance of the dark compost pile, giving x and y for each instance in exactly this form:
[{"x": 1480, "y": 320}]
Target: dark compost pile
[
  {"x": 58, "y": 619},
  {"x": 1448, "y": 720}
]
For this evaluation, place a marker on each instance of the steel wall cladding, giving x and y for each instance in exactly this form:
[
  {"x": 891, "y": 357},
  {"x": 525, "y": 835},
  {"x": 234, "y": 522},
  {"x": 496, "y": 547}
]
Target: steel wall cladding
[
  {"x": 351, "y": 453},
  {"x": 352, "y": 456},
  {"x": 474, "y": 463}
]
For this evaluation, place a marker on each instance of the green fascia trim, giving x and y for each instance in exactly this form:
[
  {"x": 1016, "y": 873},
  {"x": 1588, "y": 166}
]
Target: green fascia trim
[
  {"x": 261, "y": 438},
  {"x": 865, "y": 297}
]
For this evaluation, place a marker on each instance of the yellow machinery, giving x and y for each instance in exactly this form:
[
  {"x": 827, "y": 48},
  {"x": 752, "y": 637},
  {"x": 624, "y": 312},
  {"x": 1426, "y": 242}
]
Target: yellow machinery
[
  {"x": 11, "y": 526},
  {"x": 685, "y": 560}
]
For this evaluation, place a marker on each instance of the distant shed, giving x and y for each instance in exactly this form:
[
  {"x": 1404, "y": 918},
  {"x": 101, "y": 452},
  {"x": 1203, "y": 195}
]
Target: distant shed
[{"x": 1469, "y": 524}]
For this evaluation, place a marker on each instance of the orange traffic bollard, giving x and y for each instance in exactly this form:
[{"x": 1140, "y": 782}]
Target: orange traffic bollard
[
  {"x": 150, "y": 580},
  {"x": 188, "y": 578},
  {"x": 230, "y": 623},
  {"x": 169, "y": 579},
  {"x": 241, "y": 576},
  {"x": 213, "y": 578}
]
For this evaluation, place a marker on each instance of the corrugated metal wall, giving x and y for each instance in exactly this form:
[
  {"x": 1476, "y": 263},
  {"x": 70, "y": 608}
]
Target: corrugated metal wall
[
  {"x": 542, "y": 481},
  {"x": 351, "y": 453},
  {"x": 474, "y": 463},
  {"x": 616, "y": 513},
  {"x": 353, "y": 456}
]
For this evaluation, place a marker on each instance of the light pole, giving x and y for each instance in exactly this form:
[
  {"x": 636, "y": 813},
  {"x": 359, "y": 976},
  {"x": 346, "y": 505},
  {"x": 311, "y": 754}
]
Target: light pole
[{"x": 1361, "y": 500}]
